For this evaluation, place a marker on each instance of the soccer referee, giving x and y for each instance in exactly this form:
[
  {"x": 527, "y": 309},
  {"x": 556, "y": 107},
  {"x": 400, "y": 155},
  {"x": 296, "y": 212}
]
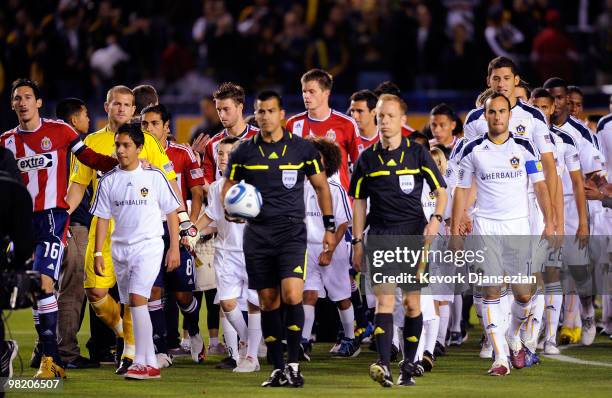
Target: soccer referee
[
  {"x": 391, "y": 174},
  {"x": 276, "y": 162}
]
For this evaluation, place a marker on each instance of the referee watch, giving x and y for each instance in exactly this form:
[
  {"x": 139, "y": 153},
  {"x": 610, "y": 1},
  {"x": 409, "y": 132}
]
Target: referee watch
[{"x": 437, "y": 217}]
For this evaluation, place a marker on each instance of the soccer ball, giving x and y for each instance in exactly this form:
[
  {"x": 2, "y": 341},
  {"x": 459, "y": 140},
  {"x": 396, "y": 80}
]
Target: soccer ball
[{"x": 243, "y": 200}]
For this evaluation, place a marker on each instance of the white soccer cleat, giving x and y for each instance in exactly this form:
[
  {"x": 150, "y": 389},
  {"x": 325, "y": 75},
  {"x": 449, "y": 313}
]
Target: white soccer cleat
[
  {"x": 163, "y": 360},
  {"x": 247, "y": 365},
  {"x": 540, "y": 345},
  {"x": 197, "y": 348},
  {"x": 550, "y": 348},
  {"x": 486, "y": 352},
  {"x": 588, "y": 331},
  {"x": 186, "y": 344}
]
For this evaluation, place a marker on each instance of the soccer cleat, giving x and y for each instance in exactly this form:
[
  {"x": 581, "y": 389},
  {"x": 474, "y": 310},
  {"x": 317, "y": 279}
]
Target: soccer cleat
[
  {"x": 163, "y": 360},
  {"x": 82, "y": 363},
  {"x": 349, "y": 348},
  {"x": 588, "y": 331},
  {"x": 154, "y": 373},
  {"x": 305, "y": 350},
  {"x": 428, "y": 361},
  {"x": 439, "y": 350},
  {"x": 185, "y": 344},
  {"x": 196, "y": 348},
  {"x": 36, "y": 356},
  {"x": 118, "y": 351},
  {"x": 531, "y": 358},
  {"x": 406, "y": 377},
  {"x": 540, "y": 345},
  {"x": 137, "y": 372},
  {"x": 486, "y": 351},
  {"x": 455, "y": 339},
  {"x": 293, "y": 375},
  {"x": 9, "y": 352},
  {"x": 381, "y": 374},
  {"x": 605, "y": 332},
  {"x": 247, "y": 365},
  {"x": 499, "y": 368},
  {"x": 550, "y": 348},
  {"x": 419, "y": 370},
  {"x": 338, "y": 343},
  {"x": 49, "y": 369},
  {"x": 277, "y": 379},
  {"x": 576, "y": 333},
  {"x": 226, "y": 363},
  {"x": 124, "y": 366},
  {"x": 217, "y": 349},
  {"x": 517, "y": 356},
  {"x": 565, "y": 335},
  {"x": 366, "y": 336}
]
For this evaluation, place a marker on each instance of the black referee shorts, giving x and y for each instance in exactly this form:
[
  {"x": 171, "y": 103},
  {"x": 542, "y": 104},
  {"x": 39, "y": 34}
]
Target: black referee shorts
[{"x": 274, "y": 251}]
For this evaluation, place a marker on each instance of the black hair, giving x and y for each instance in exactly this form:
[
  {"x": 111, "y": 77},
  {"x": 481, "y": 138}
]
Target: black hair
[
  {"x": 68, "y": 107},
  {"x": 575, "y": 89},
  {"x": 554, "y": 82},
  {"x": 502, "y": 62},
  {"x": 144, "y": 96},
  {"x": 443, "y": 109},
  {"x": 497, "y": 95},
  {"x": 26, "y": 83},
  {"x": 421, "y": 139},
  {"x": 365, "y": 95},
  {"x": 387, "y": 87},
  {"x": 541, "y": 92},
  {"x": 160, "y": 109},
  {"x": 268, "y": 94},
  {"x": 230, "y": 139},
  {"x": 134, "y": 131},
  {"x": 330, "y": 152},
  {"x": 594, "y": 118}
]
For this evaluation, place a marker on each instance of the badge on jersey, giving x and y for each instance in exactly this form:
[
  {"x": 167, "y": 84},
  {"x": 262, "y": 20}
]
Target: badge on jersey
[
  {"x": 144, "y": 192},
  {"x": 331, "y": 135},
  {"x": 515, "y": 162},
  {"x": 520, "y": 129},
  {"x": 406, "y": 182},
  {"x": 45, "y": 143},
  {"x": 298, "y": 127},
  {"x": 290, "y": 178}
]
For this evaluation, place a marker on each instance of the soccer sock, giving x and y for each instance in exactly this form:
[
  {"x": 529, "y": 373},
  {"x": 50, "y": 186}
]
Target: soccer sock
[
  {"x": 553, "y": 303},
  {"x": 397, "y": 330},
  {"x": 143, "y": 334},
  {"x": 477, "y": 305},
  {"x": 535, "y": 321},
  {"x": 237, "y": 320},
  {"x": 109, "y": 312},
  {"x": 491, "y": 316},
  {"x": 443, "y": 326},
  {"x": 431, "y": 333},
  {"x": 456, "y": 306},
  {"x": 191, "y": 315},
  {"x": 213, "y": 340},
  {"x": 254, "y": 332},
  {"x": 309, "y": 318},
  {"x": 358, "y": 306},
  {"x": 570, "y": 309},
  {"x": 413, "y": 328},
  {"x": 520, "y": 314},
  {"x": 272, "y": 330},
  {"x": 158, "y": 320},
  {"x": 231, "y": 338},
  {"x": 295, "y": 324},
  {"x": 36, "y": 319},
  {"x": 47, "y": 315},
  {"x": 383, "y": 332},
  {"x": 129, "y": 343},
  {"x": 347, "y": 318},
  {"x": 420, "y": 348},
  {"x": 586, "y": 308},
  {"x": 505, "y": 305}
]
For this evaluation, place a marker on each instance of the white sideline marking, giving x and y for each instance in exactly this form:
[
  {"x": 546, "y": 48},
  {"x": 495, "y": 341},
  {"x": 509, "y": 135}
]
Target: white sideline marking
[{"x": 566, "y": 358}]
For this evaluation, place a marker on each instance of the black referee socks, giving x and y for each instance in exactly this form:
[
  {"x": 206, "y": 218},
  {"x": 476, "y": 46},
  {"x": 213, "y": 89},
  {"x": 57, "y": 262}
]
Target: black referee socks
[
  {"x": 272, "y": 329},
  {"x": 295, "y": 324},
  {"x": 383, "y": 332},
  {"x": 412, "y": 334}
]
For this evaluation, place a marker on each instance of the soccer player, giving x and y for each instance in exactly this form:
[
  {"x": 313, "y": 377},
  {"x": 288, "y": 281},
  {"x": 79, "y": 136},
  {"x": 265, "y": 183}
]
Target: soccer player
[
  {"x": 575, "y": 102},
  {"x": 320, "y": 120},
  {"x": 136, "y": 199},
  {"x": 391, "y": 174},
  {"x": 503, "y": 163},
  {"x": 363, "y": 110},
  {"x": 229, "y": 101},
  {"x": 442, "y": 122},
  {"x": 155, "y": 119},
  {"x": 276, "y": 162},
  {"x": 41, "y": 147}
]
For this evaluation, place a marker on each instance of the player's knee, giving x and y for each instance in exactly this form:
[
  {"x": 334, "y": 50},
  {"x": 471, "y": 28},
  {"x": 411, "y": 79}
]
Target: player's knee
[
  {"x": 183, "y": 298},
  {"x": 292, "y": 297},
  {"x": 94, "y": 294},
  {"x": 156, "y": 293},
  {"x": 310, "y": 297},
  {"x": 228, "y": 305},
  {"x": 344, "y": 304}
]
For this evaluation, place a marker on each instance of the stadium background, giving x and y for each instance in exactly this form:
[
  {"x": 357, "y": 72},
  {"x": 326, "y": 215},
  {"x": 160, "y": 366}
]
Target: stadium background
[{"x": 436, "y": 50}]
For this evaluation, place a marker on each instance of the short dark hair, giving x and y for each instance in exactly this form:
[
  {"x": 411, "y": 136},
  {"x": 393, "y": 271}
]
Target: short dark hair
[
  {"x": 555, "y": 82},
  {"x": 541, "y": 92},
  {"x": 144, "y": 95},
  {"x": 330, "y": 152},
  {"x": 22, "y": 82},
  {"x": 523, "y": 84},
  {"x": 594, "y": 118},
  {"x": 325, "y": 80},
  {"x": 134, "y": 131},
  {"x": 68, "y": 107},
  {"x": 229, "y": 90},
  {"x": 160, "y": 109},
  {"x": 269, "y": 94},
  {"x": 443, "y": 109},
  {"x": 230, "y": 139},
  {"x": 497, "y": 95},
  {"x": 365, "y": 95},
  {"x": 576, "y": 90},
  {"x": 421, "y": 139},
  {"x": 387, "y": 87},
  {"x": 502, "y": 62}
]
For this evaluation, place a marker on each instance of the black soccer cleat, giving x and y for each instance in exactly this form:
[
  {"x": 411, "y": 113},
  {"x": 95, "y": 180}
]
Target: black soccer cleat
[
  {"x": 439, "y": 350},
  {"x": 293, "y": 375},
  {"x": 428, "y": 361},
  {"x": 381, "y": 374},
  {"x": 406, "y": 378},
  {"x": 123, "y": 367},
  {"x": 305, "y": 350},
  {"x": 277, "y": 379},
  {"x": 419, "y": 370},
  {"x": 227, "y": 363},
  {"x": 118, "y": 351}
]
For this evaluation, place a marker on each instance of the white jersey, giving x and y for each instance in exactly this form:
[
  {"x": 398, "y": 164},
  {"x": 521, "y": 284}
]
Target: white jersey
[
  {"x": 136, "y": 200},
  {"x": 567, "y": 157},
  {"x": 502, "y": 173},
  {"x": 526, "y": 121},
  {"x": 429, "y": 200},
  {"x": 451, "y": 168},
  {"x": 590, "y": 156},
  {"x": 604, "y": 133},
  {"x": 229, "y": 234},
  {"x": 314, "y": 218}
]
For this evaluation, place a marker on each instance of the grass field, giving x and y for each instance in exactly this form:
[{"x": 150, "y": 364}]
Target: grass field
[{"x": 458, "y": 374}]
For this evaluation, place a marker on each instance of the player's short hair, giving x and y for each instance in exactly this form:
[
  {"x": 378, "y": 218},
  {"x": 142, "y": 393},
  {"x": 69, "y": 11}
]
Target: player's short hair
[
  {"x": 575, "y": 90},
  {"x": 555, "y": 82},
  {"x": 483, "y": 97},
  {"x": 524, "y": 85},
  {"x": 594, "y": 118},
  {"x": 134, "y": 131},
  {"x": 330, "y": 152},
  {"x": 68, "y": 107},
  {"x": 229, "y": 90},
  {"x": 541, "y": 92},
  {"x": 387, "y": 87},
  {"x": 497, "y": 95},
  {"x": 502, "y": 62},
  {"x": 438, "y": 155},
  {"x": 160, "y": 109},
  {"x": 365, "y": 95},
  {"x": 421, "y": 139},
  {"x": 393, "y": 98},
  {"x": 144, "y": 95},
  {"x": 119, "y": 90},
  {"x": 26, "y": 83},
  {"x": 269, "y": 94},
  {"x": 229, "y": 140},
  {"x": 443, "y": 109},
  {"x": 325, "y": 79}
]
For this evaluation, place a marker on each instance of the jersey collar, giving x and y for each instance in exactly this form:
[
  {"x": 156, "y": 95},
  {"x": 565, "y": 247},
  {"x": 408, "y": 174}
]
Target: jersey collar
[
  {"x": 405, "y": 143},
  {"x": 257, "y": 139},
  {"x": 241, "y": 135},
  {"x": 501, "y": 143}
]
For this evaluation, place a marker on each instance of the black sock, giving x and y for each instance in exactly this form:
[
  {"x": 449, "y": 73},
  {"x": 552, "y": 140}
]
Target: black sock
[
  {"x": 295, "y": 324},
  {"x": 383, "y": 332},
  {"x": 412, "y": 334},
  {"x": 359, "y": 308},
  {"x": 191, "y": 317},
  {"x": 272, "y": 330},
  {"x": 158, "y": 323}
]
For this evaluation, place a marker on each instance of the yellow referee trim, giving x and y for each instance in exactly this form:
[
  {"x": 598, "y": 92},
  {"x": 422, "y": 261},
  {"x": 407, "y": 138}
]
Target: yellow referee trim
[
  {"x": 291, "y": 166},
  {"x": 305, "y": 267},
  {"x": 432, "y": 175},
  {"x": 315, "y": 163},
  {"x": 257, "y": 167},
  {"x": 380, "y": 173},
  {"x": 358, "y": 187},
  {"x": 407, "y": 171},
  {"x": 233, "y": 171}
]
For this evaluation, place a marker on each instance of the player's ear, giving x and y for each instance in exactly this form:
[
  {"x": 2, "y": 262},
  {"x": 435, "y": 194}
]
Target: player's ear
[
  {"x": 517, "y": 80},
  {"x": 404, "y": 119},
  {"x": 39, "y": 103},
  {"x": 282, "y": 114},
  {"x": 106, "y": 106}
]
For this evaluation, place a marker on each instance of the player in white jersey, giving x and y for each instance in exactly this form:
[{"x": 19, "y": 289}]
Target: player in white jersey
[
  {"x": 501, "y": 164},
  {"x": 136, "y": 199},
  {"x": 230, "y": 268}
]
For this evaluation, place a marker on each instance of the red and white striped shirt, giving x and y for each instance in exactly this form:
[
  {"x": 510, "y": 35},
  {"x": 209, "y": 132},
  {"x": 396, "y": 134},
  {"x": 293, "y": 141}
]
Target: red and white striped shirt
[
  {"x": 188, "y": 171},
  {"x": 209, "y": 164}
]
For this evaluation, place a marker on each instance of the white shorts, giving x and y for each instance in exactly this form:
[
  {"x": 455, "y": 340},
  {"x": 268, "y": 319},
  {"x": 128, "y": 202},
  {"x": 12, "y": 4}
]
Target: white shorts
[
  {"x": 204, "y": 270},
  {"x": 541, "y": 253},
  {"x": 334, "y": 278},
  {"x": 427, "y": 305},
  {"x": 231, "y": 276},
  {"x": 439, "y": 268},
  {"x": 137, "y": 266},
  {"x": 598, "y": 244},
  {"x": 571, "y": 252}
]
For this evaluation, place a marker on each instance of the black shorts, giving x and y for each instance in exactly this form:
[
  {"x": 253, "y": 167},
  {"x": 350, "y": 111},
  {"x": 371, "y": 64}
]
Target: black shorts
[{"x": 274, "y": 251}]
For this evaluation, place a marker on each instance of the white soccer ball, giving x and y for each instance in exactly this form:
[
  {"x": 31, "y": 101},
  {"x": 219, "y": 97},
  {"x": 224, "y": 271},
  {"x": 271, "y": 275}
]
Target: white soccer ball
[{"x": 243, "y": 200}]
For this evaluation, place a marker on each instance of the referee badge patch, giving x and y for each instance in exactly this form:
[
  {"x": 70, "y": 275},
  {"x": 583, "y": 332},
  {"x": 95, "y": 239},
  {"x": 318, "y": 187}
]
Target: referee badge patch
[
  {"x": 289, "y": 178},
  {"x": 406, "y": 182}
]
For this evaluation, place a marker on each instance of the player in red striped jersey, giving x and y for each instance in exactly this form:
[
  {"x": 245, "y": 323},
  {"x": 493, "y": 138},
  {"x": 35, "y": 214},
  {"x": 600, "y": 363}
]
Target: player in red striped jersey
[
  {"x": 41, "y": 148},
  {"x": 322, "y": 121},
  {"x": 229, "y": 101},
  {"x": 363, "y": 110}
]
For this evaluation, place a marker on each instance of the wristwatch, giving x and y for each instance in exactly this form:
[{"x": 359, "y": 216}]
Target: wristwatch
[
  {"x": 437, "y": 216},
  {"x": 354, "y": 241}
]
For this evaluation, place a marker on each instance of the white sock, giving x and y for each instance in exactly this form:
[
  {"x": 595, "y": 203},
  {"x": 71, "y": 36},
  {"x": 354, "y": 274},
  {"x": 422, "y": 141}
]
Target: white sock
[
  {"x": 431, "y": 333},
  {"x": 457, "y": 307},
  {"x": 520, "y": 314},
  {"x": 553, "y": 304},
  {"x": 421, "y": 348},
  {"x": 586, "y": 307},
  {"x": 237, "y": 320},
  {"x": 231, "y": 338},
  {"x": 477, "y": 305},
  {"x": 143, "y": 336},
  {"x": 347, "y": 317},
  {"x": 254, "y": 332},
  {"x": 535, "y": 321},
  {"x": 505, "y": 303},
  {"x": 396, "y": 339},
  {"x": 444, "y": 315},
  {"x": 213, "y": 340},
  {"x": 491, "y": 317},
  {"x": 571, "y": 307},
  {"x": 309, "y": 318}
]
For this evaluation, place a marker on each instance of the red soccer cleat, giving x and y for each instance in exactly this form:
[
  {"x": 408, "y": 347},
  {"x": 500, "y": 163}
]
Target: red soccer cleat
[
  {"x": 137, "y": 372},
  {"x": 154, "y": 373}
]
